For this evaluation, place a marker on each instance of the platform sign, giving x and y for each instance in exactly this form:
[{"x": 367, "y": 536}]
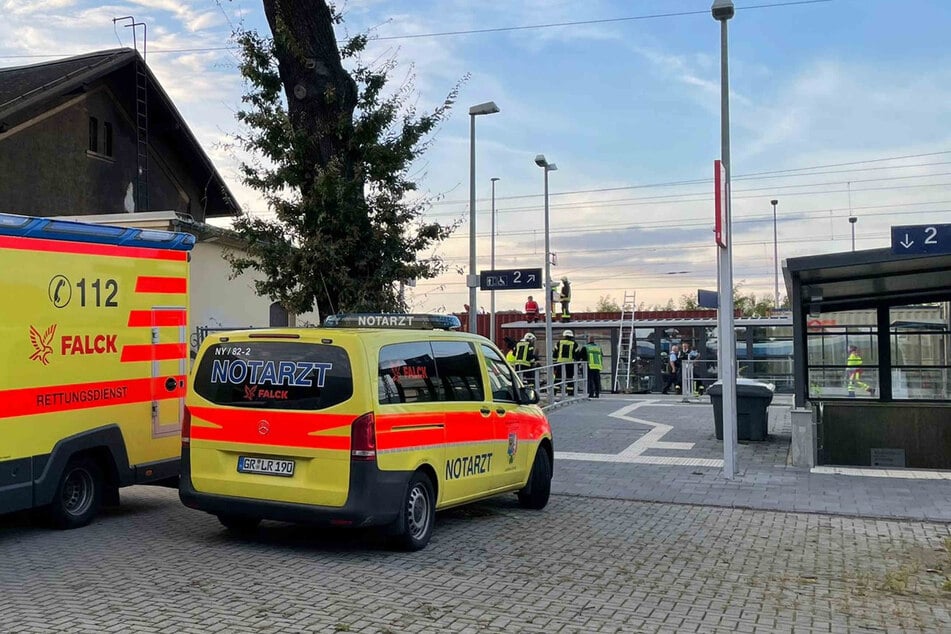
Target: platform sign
[
  {"x": 708, "y": 299},
  {"x": 510, "y": 279},
  {"x": 921, "y": 239}
]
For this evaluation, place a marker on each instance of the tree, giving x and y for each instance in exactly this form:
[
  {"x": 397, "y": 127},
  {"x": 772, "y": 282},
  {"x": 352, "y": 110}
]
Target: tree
[
  {"x": 688, "y": 302},
  {"x": 606, "y": 304},
  {"x": 332, "y": 151}
]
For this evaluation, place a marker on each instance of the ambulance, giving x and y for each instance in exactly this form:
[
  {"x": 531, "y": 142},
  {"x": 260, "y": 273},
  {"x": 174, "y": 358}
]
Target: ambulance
[
  {"x": 370, "y": 420},
  {"x": 93, "y": 363}
]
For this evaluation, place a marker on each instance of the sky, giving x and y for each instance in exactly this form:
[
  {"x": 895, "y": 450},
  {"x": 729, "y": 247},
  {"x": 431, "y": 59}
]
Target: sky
[{"x": 837, "y": 108}]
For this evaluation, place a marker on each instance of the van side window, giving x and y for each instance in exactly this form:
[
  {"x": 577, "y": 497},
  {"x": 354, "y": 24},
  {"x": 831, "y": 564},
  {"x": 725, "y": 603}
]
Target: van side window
[
  {"x": 500, "y": 376},
  {"x": 459, "y": 370},
  {"x": 407, "y": 374}
]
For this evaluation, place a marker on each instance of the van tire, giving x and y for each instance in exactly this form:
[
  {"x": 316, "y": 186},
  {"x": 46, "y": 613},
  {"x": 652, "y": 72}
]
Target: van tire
[
  {"x": 78, "y": 494},
  {"x": 417, "y": 514},
  {"x": 240, "y": 524},
  {"x": 536, "y": 493}
]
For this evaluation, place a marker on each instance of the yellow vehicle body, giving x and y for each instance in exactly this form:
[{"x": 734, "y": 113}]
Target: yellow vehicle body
[
  {"x": 329, "y": 425},
  {"x": 94, "y": 356}
]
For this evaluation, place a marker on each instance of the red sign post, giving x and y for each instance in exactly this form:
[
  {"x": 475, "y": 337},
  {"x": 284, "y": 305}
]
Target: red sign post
[{"x": 719, "y": 191}]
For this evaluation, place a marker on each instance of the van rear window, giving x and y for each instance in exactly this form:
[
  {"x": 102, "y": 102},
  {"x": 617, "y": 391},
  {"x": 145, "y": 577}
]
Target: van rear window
[{"x": 275, "y": 375}]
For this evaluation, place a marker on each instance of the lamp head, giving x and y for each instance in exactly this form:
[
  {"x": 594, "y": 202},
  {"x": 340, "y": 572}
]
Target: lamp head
[
  {"x": 488, "y": 107},
  {"x": 853, "y": 219},
  {"x": 774, "y": 202},
  {"x": 722, "y": 10},
  {"x": 540, "y": 161},
  {"x": 495, "y": 178}
]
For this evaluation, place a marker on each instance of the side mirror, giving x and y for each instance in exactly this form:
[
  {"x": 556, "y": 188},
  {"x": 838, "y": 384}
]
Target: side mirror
[{"x": 527, "y": 395}]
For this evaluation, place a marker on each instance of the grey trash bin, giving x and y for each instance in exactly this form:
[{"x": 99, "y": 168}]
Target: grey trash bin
[{"x": 752, "y": 403}]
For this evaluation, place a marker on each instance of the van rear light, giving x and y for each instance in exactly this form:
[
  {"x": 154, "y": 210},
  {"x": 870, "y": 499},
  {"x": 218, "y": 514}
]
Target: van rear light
[
  {"x": 363, "y": 438},
  {"x": 186, "y": 428}
]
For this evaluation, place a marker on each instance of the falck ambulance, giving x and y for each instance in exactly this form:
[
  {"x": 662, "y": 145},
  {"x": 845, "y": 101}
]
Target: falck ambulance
[{"x": 93, "y": 362}]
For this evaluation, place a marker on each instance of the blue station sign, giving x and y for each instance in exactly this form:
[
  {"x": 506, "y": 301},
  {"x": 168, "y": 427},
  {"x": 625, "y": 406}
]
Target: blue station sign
[
  {"x": 510, "y": 279},
  {"x": 922, "y": 239}
]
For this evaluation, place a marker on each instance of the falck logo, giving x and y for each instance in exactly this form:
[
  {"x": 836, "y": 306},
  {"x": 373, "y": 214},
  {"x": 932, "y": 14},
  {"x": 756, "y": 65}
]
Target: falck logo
[
  {"x": 250, "y": 391},
  {"x": 41, "y": 344}
]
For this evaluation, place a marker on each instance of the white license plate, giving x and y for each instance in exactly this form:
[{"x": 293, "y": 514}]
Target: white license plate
[{"x": 266, "y": 466}]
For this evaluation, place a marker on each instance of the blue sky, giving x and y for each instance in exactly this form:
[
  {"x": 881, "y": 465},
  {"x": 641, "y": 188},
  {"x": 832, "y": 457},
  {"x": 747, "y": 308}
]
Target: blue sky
[{"x": 623, "y": 108}]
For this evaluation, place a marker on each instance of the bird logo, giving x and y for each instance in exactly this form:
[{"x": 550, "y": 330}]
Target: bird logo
[
  {"x": 41, "y": 344},
  {"x": 250, "y": 391}
]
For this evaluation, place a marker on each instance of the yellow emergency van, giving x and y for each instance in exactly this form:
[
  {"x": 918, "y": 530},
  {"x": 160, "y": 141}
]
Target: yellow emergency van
[
  {"x": 93, "y": 363},
  {"x": 371, "y": 420}
]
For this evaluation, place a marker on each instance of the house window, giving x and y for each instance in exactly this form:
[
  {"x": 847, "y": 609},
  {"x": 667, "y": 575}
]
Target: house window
[
  {"x": 107, "y": 138},
  {"x": 93, "y": 134}
]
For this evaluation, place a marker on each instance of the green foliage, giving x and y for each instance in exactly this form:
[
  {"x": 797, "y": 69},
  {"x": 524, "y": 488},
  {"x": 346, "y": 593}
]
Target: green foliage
[
  {"x": 606, "y": 304},
  {"x": 334, "y": 168}
]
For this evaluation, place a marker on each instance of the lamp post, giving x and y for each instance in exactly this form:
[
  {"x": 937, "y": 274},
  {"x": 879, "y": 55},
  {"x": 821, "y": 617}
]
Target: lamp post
[
  {"x": 472, "y": 281},
  {"x": 775, "y": 202},
  {"x": 852, "y": 221},
  {"x": 495, "y": 179},
  {"x": 722, "y": 11},
  {"x": 541, "y": 162}
]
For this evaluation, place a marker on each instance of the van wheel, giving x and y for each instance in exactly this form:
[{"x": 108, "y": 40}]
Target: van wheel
[
  {"x": 418, "y": 514},
  {"x": 78, "y": 495},
  {"x": 240, "y": 524},
  {"x": 536, "y": 493}
]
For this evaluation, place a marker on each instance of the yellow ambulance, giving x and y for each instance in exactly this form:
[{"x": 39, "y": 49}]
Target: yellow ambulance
[
  {"x": 371, "y": 420},
  {"x": 93, "y": 363}
]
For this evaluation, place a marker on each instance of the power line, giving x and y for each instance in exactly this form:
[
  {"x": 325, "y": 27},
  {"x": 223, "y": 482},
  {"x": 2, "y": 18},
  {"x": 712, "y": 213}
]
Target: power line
[{"x": 501, "y": 29}]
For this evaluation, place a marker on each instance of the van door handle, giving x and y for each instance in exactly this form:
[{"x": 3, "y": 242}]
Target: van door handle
[
  {"x": 500, "y": 411},
  {"x": 485, "y": 411}
]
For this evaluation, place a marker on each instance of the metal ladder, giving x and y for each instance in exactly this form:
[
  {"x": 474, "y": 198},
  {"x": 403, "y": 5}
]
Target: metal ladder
[
  {"x": 141, "y": 136},
  {"x": 622, "y": 369}
]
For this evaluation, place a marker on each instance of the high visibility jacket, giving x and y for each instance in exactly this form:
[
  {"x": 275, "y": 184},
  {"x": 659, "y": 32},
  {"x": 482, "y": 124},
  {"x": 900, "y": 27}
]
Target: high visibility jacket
[
  {"x": 565, "y": 292},
  {"x": 595, "y": 356},
  {"x": 566, "y": 350},
  {"x": 510, "y": 356},
  {"x": 854, "y": 359},
  {"x": 524, "y": 354}
]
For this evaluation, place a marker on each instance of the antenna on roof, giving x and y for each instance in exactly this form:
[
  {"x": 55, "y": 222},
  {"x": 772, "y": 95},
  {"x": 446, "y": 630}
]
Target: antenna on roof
[{"x": 134, "y": 26}]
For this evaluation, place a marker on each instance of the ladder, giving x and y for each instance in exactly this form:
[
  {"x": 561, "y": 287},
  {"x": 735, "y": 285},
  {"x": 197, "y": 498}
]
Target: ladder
[
  {"x": 626, "y": 336},
  {"x": 141, "y": 136}
]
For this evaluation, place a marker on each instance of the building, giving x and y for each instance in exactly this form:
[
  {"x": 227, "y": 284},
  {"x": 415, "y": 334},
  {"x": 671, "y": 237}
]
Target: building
[{"x": 97, "y": 134}]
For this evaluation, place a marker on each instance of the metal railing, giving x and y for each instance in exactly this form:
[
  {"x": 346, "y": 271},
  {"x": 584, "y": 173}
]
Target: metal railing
[{"x": 554, "y": 390}]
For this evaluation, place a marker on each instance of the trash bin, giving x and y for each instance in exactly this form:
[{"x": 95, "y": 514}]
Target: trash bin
[{"x": 752, "y": 402}]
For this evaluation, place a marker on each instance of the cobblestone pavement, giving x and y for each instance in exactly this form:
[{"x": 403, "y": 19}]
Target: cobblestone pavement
[
  {"x": 584, "y": 564},
  {"x": 599, "y": 439}
]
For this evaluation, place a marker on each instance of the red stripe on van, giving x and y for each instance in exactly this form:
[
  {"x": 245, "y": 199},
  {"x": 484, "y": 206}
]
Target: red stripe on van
[
  {"x": 153, "y": 284},
  {"x": 270, "y": 427},
  {"x": 60, "y": 398},
  {"x": 154, "y": 352}
]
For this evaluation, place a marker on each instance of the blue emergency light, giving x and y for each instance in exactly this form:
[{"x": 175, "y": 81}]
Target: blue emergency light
[{"x": 417, "y": 321}]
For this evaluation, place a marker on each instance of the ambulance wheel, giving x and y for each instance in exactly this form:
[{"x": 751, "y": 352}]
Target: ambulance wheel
[
  {"x": 240, "y": 524},
  {"x": 417, "y": 515},
  {"x": 78, "y": 494},
  {"x": 536, "y": 492}
]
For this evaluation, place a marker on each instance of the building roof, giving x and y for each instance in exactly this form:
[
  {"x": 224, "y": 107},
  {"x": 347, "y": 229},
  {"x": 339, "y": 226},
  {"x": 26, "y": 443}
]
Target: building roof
[
  {"x": 864, "y": 279},
  {"x": 26, "y": 91}
]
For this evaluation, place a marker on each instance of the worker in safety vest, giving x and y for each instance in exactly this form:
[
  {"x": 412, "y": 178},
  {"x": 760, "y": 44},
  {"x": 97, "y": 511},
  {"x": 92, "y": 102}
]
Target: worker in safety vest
[
  {"x": 855, "y": 372},
  {"x": 565, "y": 293},
  {"x": 566, "y": 353},
  {"x": 525, "y": 357},
  {"x": 595, "y": 357}
]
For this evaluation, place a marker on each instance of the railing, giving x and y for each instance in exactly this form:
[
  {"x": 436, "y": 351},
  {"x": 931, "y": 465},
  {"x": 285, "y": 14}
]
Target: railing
[{"x": 554, "y": 390}]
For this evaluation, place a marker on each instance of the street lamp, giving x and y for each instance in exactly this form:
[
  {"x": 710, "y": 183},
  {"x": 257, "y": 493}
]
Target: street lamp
[
  {"x": 775, "y": 256},
  {"x": 852, "y": 221},
  {"x": 494, "y": 179},
  {"x": 472, "y": 281},
  {"x": 541, "y": 162},
  {"x": 722, "y": 11}
]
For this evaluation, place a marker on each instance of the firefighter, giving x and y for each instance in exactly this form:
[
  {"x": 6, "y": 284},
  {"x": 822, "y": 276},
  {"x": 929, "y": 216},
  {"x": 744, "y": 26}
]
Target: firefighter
[
  {"x": 565, "y": 293},
  {"x": 595, "y": 358},
  {"x": 566, "y": 353},
  {"x": 526, "y": 358}
]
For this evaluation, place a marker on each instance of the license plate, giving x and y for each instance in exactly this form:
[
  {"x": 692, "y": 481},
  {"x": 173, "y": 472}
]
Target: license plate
[{"x": 266, "y": 466}]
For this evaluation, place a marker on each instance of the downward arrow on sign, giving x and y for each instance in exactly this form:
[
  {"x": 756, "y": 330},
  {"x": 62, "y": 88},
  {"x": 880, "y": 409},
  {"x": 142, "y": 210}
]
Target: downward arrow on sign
[{"x": 906, "y": 242}]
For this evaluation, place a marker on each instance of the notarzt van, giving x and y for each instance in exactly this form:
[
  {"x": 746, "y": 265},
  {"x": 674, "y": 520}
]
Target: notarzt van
[
  {"x": 93, "y": 362},
  {"x": 371, "y": 420}
]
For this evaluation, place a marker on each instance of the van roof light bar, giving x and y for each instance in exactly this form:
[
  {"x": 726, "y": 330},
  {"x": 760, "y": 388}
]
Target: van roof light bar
[{"x": 415, "y": 321}]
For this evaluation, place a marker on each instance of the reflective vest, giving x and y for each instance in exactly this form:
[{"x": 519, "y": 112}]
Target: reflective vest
[
  {"x": 854, "y": 359},
  {"x": 565, "y": 351},
  {"x": 524, "y": 354},
  {"x": 510, "y": 357},
  {"x": 595, "y": 356}
]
